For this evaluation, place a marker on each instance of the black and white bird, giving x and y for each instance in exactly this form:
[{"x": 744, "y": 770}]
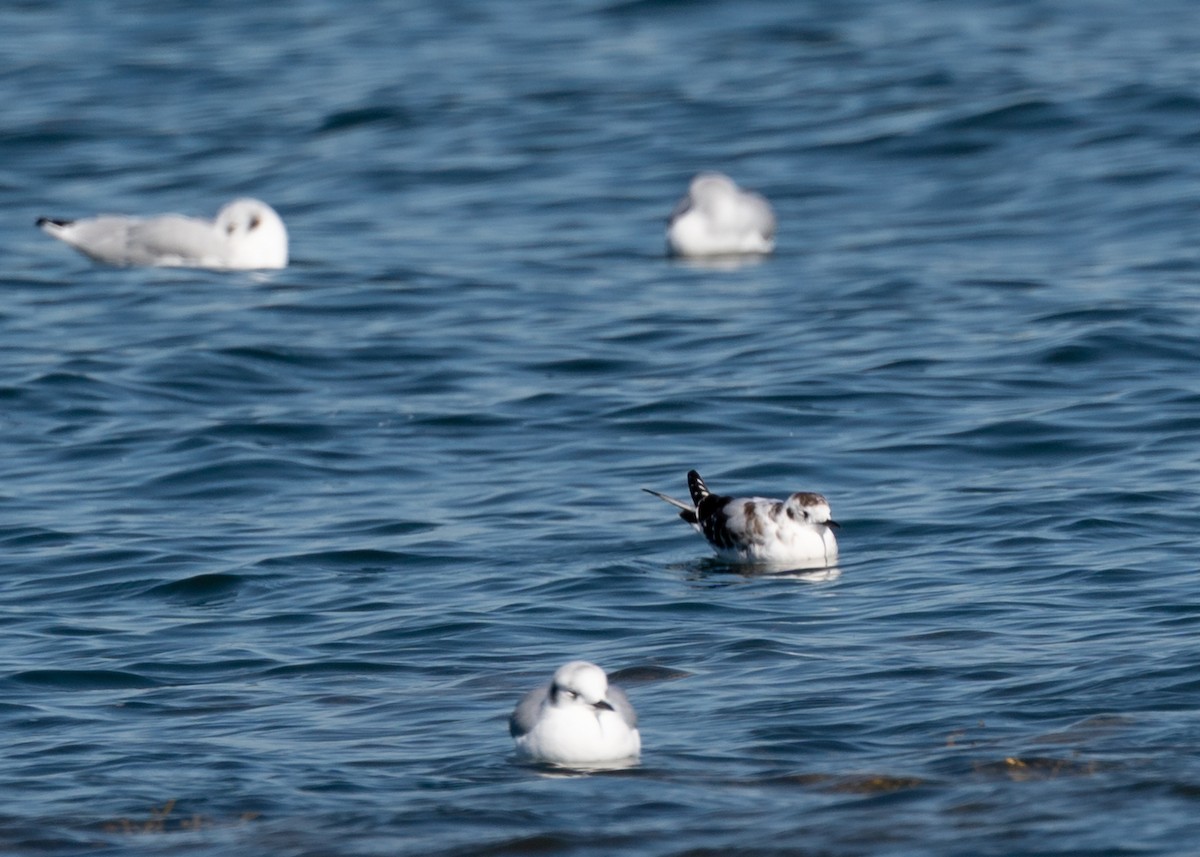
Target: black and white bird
[
  {"x": 578, "y": 720},
  {"x": 798, "y": 530},
  {"x": 247, "y": 234},
  {"x": 718, "y": 218}
]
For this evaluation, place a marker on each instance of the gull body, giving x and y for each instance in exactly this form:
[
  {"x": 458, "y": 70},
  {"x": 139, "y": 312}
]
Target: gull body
[
  {"x": 246, "y": 234},
  {"x": 718, "y": 218},
  {"x": 798, "y": 530},
  {"x": 576, "y": 720}
]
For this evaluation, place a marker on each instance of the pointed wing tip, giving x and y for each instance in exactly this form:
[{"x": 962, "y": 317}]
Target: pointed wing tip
[
  {"x": 688, "y": 512},
  {"x": 697, "y": 487}
]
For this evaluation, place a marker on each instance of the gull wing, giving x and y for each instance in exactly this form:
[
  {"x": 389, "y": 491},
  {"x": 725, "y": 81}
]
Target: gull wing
[
  {"x": 688, "y": 511},
  {"x": 525, "y": 715}
]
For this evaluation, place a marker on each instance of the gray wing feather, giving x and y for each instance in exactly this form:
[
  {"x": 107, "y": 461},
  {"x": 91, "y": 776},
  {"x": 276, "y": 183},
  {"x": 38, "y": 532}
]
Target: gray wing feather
[
  {"x": 620, "y": 703},
  {"x": 105, "y": 239},
  {"x": 118, "y": 240},
  {"x": 682, "y": 505},
  {"x": 689, "y": 511},
  {"x": 174, "y": 237},
  {"x": 525, "y": 715},
  {"x": 764, "y": 215}
]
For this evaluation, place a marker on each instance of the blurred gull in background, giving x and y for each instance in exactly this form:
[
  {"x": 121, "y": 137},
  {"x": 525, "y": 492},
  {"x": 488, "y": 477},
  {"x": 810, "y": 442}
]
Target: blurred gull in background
[{"x": 246, "y": 235}]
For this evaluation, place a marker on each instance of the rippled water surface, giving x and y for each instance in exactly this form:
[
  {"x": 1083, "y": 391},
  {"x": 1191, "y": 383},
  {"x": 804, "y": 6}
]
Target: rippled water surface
[{"x": 279, "y": 552}]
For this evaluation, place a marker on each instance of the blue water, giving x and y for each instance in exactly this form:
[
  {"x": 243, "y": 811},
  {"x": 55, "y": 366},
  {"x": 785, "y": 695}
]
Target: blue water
[{"x": 279, "y": 553}]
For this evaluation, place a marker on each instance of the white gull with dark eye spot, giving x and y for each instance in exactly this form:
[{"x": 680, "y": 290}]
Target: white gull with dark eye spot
[
  {"x": 577, "y": 720},
  {"x": 798, "y": 530},
  {"x": 718, "y": 218},
  {"x": 247, "y": 234}
]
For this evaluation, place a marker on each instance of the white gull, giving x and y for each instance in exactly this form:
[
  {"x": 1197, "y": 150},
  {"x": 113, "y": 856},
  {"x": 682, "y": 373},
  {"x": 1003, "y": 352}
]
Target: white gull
[
  {"x": 798, "y": 530},
  {"x": 578, "y": 720},
  {"x": 246, "y": 235},
  {"x": 717, "y": 218}
]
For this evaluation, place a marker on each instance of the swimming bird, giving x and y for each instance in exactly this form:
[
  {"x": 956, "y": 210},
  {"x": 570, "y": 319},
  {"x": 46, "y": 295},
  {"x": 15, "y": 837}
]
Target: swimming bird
[
  {"x": 717, "y": 218},
  {"x": 757, "y": 529},
  {"x": 246, "y": 235},
  {"x": 577, "y": 720}
]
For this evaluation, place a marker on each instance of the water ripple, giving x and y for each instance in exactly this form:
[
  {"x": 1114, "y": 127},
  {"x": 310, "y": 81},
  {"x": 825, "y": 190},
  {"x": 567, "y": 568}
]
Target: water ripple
[{"x": 283, "y": 550}]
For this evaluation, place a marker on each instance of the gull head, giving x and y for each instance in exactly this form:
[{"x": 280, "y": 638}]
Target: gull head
[
  {"x": 707, "y": 193},
  {"x": 580, "y": 683},
  {"x": 255, "y": 234},
  {"x": 808, "y": 508},
  {"x": 710, "y": 190}
]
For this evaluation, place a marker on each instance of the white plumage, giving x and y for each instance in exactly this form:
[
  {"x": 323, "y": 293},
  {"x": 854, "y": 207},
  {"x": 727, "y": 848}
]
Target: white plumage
[
  {"x": 717, "y": 218},
  {"x": 247, "y": 234},
  {"x": 577, "y": 720},
  {"x": 796, "y": 531}
]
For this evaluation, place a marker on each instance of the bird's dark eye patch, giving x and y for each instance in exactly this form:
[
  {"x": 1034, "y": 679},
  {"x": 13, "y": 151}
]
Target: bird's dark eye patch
[
  {"x": 254, "y": 223},
  {"x": 557, "y": 692}
]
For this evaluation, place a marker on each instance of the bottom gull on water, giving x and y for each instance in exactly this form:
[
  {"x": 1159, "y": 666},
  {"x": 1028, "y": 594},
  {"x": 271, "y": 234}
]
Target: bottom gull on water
[
  {"x": 757, "y": 529},
  {"x": 578, "y": 720}
]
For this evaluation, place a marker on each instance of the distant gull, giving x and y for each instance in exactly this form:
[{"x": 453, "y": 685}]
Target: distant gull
[
  {"x": 246, "y": 235},
  {"x": 577, "y": 720},
  {"x": 757, "y": 529},
  {"x": 717, "y": 218}
]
